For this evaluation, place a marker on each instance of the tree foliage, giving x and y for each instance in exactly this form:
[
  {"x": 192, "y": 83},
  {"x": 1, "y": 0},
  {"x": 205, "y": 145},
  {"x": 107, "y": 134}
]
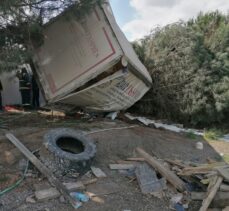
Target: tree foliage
[
  {"x": 21, "y": 24},
  {"x": 190, "y": 70}
]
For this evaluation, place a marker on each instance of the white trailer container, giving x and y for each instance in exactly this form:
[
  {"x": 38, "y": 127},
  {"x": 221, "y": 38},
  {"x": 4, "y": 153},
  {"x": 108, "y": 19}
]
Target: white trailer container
[{"x": 89, "y": 63}]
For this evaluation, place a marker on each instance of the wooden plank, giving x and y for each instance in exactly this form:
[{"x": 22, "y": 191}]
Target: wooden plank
[
  {"x": 88, "y": 182},
  {"x": 98, "y": 172},
  {"x": 126, "y": 162},
  {"x": 211, "y": 194},
  {"x": 224, "y": 188},
  {"x": 202, "y": 169},
  {"x": 220, "y": 200},
  {"x": 74, "y": 186},
  {"x": 212, "y": 182},
  {"x": 224, "y": 172},
  {"x": 42, "y": 168},
  {"x": 46, "y": 194},
  {"x": 121, "y": 166},
  {"x": 169, "y": 175},
  {"x": 136, "y": 159},
  {"x": 176, "y": 163}
]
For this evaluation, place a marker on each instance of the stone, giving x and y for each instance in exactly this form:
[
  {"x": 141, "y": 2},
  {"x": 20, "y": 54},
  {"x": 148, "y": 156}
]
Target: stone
[
  {"x": 9, "y": 157},
  {"x": 47, "y": 194},
  {"x": 30, "y": 199},
  {"x": 62, "y": 199},
  {"x": 98, "y": 172},
  {"x": 74, "y": 186}
]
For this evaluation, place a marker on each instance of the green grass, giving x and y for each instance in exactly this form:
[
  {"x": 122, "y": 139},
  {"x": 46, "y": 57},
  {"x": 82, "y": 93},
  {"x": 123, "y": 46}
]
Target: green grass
[
  {"x": 191, "y": 135},
  {"x": 226, "y": 158},
  {"x": 212, "y": 134}
]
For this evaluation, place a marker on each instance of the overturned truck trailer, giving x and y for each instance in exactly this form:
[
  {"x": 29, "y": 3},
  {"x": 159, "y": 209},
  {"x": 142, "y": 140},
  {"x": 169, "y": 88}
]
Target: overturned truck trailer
[{"x": 89, "y": 63}]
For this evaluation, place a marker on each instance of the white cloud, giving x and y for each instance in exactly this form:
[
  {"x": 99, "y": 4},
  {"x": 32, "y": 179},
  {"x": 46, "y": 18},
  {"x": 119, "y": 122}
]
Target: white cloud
[{"x": 153, "y": 13}]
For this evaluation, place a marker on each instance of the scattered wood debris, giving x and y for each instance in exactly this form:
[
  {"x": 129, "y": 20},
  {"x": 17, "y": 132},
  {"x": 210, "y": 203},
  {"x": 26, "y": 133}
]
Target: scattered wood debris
[
  {"x": 219, "y": 201},
  {"x": 136, "y": 159},
  {"x": 208, "y": 183},
  {"x": 89, "y": 182},
  {"x": 184, "y": 176},
  {"x": 74, "y": 186},
  {"x": 147, "y": 179},
  {"x": 224, "y": 188},
  {"x": 201, "y": 169},
  {"x": 169, "y": 175},
  {"x": 98, "y": 172},
  {"x": 41, "y": 167},
  {"x": 211, "y": 194}
]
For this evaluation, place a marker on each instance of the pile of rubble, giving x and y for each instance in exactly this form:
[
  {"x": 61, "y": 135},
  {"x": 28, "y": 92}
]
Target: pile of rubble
[
  {"x": 176, "y": 181},
  {"x": 187, "y": 181}
]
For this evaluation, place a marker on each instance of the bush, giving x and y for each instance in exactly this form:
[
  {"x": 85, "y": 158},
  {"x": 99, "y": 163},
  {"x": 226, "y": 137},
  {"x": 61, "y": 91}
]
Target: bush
[
  {"x": 212, "y": 134},
  {"x": 189, "y": 65}
]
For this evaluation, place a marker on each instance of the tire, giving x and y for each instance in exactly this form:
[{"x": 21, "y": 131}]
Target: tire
[{"x": 61, "y": 154}]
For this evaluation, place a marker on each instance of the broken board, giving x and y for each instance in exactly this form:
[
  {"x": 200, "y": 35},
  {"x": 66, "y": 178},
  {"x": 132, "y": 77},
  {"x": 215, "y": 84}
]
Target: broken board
[
  {"x": 41, "y": 167},
  {"x": 147, "y": 179},
  {"x": 98, "y": 172}
]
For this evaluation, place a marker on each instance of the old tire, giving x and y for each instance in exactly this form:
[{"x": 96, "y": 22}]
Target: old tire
[{"x": 67, "y": 151}]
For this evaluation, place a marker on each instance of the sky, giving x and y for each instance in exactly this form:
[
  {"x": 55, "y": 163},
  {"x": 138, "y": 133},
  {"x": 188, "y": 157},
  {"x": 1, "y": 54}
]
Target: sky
[{"x": 138, "y": 17}]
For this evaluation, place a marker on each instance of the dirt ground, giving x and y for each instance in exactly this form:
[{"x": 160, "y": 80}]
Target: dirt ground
[{"x": 117, "y": 193}]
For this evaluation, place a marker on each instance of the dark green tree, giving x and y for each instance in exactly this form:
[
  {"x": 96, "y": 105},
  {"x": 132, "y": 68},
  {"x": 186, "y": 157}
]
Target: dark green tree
[{"x": 190, "y": 71}]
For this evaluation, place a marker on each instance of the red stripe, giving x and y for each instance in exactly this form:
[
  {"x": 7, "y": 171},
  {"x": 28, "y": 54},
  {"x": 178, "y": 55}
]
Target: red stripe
[
  {"x": 97, "y": 15},
  {"x": 98, "y": 63},
  {"x": 108, "y": 39}
]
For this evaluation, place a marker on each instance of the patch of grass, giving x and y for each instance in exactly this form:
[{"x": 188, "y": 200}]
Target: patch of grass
[
  {"x": 226, "y": 158},
  {"x": 212, "y": 134},
  {"x": 191, "y": 135}
]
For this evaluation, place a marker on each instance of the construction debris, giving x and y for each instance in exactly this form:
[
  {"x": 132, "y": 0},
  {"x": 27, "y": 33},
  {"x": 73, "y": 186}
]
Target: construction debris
[
  {"x": 224, "y": 188},
  {"x": 169, "y": 175},
  {"x": 211, "y": 194},
  {"x": 30, "y": 199},
  {"x": 220, "y": 200},
  {"x": 136, "y": 159},
  {"x": 88, "y": 182},
  {"x": 47, "y": 194},
  {"x": 42, "y": 168},
  {"x": 201, "y": 169},
  {"x": 147, "y": 179},
  {"x": 98, "y": 172},
  {"x": 154, "y": 176},
  {"x": 74, "y": 186},
  {"x": 212, "y": 174}
]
